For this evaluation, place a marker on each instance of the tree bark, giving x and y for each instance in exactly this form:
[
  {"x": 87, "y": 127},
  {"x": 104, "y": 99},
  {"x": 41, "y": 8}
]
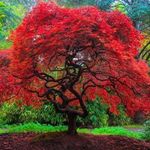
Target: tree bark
[{"x": 72, "y": 128}]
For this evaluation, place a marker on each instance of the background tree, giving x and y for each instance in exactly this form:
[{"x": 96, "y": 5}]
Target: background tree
[
  {"x": 103, "y": 5},
  {"x": 138, "y": 11},
  {"x": 92, "y": 53},
  {"x": 10, "y": 17},
  {"x": 27, "y": 4}
]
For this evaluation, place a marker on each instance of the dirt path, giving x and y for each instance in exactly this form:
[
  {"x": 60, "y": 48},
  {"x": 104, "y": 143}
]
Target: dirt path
[
  {"x": 62, "y": 141},
  {"x": 135, "y": 129}
]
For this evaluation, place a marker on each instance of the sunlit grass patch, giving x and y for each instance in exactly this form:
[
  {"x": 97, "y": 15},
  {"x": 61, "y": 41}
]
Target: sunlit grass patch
[
  {"x": 117, "y": 131},
  {"x": 32, "y": 127},
  {"x": 39, "y": 128}
]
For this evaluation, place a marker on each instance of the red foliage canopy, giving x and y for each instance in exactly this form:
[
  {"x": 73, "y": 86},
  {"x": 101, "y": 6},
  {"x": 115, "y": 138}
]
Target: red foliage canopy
[
  {"x": 5, "y": 79},
  {"x": 70, "y": 55},
  {"x": 10, "y": 88}
]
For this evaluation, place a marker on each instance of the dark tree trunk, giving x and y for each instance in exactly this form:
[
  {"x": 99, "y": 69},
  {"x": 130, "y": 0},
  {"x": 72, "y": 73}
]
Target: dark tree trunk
[
  {"x": 72, "y": 128},
  {"x": 139, "y": 117}
]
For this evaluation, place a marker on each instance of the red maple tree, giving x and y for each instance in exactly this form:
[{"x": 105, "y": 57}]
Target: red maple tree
[{"x": 68, "y": 56}]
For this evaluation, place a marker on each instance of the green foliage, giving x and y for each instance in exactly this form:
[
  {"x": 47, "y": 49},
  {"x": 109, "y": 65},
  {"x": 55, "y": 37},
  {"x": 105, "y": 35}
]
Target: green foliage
[
  {"x": 103, "y": 5},
  {"x": 121, "y": 119},
  {"x": 100, "y": 117},
  {"x": 28, "y": 114},
  {"x": 48, "y": 115},
  {"x": 10, "y": 17},
  {"x": 5, "y": 44},
  {"x": 139, "y": 10},
  {"x": 97, "y": 117},
  {"x": 27, "y": 4},
  {"x": 147, "y": 130},
  {"x": 9, "y": 114},
  {"x": 120, "y": 7}
]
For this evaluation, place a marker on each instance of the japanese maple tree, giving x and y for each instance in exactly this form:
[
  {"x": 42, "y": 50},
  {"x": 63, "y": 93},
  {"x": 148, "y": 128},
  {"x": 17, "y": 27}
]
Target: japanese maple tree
[{"x": 68, "y": 56}]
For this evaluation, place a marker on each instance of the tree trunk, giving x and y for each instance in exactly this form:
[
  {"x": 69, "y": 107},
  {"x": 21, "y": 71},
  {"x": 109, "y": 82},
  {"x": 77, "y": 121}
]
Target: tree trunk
[{"x": 72, "y": 128}]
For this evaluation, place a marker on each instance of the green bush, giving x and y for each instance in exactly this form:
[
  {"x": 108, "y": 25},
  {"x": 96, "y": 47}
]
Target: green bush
[
  {"x": 9, "y": 113},
  {"x": 28, "y": 114},
  {"x": 146, "y": 135},
  {"x": 97, "y": 117},
  {"x": 48, "y": 115},
  {"x": 121, "y": 119}
]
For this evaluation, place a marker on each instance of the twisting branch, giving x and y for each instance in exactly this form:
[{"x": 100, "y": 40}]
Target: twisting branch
[{"x": 141, "y": 52}]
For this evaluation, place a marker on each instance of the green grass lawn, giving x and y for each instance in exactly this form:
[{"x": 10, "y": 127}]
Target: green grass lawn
[
  {"x": 114, "y": 131},
  {"x": 38, "y": 128}
]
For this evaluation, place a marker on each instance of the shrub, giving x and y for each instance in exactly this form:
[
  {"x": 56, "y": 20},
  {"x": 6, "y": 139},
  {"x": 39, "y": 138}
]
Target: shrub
[
  {"x": 121, "y": 119},
  {"x": 28, "y": 114},
  {"x": 97, "y": 117},
  {"x": 9, "y": 113},
  {"x": 147, "y": 130},
  {"x": 48, "y": 115}
]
